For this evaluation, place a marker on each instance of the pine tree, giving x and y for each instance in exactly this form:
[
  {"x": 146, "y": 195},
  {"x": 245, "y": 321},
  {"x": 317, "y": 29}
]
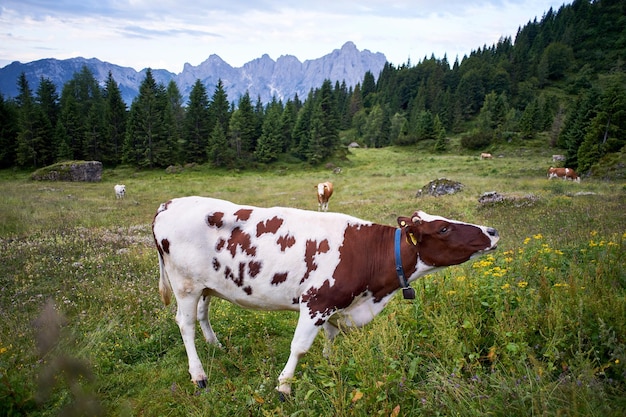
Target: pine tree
[
  {"x": 8, "y": 132},
  {"x": 26, "y": 153},
  {"x": 219, "y": 153},
  {"x": 606, "y": 131},
  {"x": 115, "y": 115},
  {"x": 441, "y": 144},
  {"x": 288, "y": 122},
  {"x": 270, "y": 143},
  {"x": 78, "y": 96},
  {"x": 219, "y": 108},
  {"x": 196, "y": 124},
  {"x": 243, "y": 128},
  {"x": 147, "y": 135},
  {"x": 323, "y": 138},
  {"x": 368, "y": 89},
  {"x": 302, "y": 129},
  {"x": 374, "y": 128},
  {"x": 47, "y": 100}
]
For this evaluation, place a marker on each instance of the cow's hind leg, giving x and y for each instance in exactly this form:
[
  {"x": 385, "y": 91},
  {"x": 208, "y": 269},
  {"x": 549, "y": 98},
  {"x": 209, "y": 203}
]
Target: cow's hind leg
[
  {"x": 203, "y": 318},
  {"x": 331, "y": 331},
  {"x": 186, "y": 314},
  {"x": 303, "y": 338}
]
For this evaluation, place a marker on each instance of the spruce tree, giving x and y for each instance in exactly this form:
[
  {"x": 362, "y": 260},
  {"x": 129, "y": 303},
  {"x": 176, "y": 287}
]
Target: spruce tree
[
  {"x": 26, "y": 154},
  {"x": 196, "y": 124},
  {"x": 115, "y": 115},
  {"x": 47, "y": 100},
  {"x": 219, "y": 153},
  {"x": 147, "y": 135},
  {"x": 8, "y": 132},
  {"x": 270, "y": 143},
  {"x": 219, "y": 108}
]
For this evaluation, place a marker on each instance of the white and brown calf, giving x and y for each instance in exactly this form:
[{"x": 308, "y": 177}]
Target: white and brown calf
[
  {"x": 337, "y": 271},
  {"x": 324, "y": 191}
]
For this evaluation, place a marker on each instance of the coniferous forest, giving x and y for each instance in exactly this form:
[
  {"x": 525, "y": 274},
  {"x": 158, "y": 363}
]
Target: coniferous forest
[{"x": 562, "y": 76}]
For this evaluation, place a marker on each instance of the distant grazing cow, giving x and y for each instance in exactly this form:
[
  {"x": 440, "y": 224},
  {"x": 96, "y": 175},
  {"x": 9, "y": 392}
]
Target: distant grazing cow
[
  {"x": 558, "y": 158},
  {"x": 120, "y": 190},
  {"x": 565, "y": 173},
  {"x": 336, "y": 270},
  {"x": 324, "y": 191},
  {"x": 485, "y": 156}
]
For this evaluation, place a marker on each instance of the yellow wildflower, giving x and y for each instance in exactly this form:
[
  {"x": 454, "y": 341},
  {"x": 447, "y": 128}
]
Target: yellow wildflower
[
  {"x": 538, "y": 236},
  {"x": 561, "y": 284},
  {"x": 522, "y": 284},
  {"x": 526, "y": 241}
]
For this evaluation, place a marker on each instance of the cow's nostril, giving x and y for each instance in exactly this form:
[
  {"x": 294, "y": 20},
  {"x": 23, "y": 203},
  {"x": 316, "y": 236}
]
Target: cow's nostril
[{"x": 492, "y": 231}]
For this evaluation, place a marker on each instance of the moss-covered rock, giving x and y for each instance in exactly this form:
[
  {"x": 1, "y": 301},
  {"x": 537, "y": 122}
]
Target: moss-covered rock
[{"x": 89, "y": 171}]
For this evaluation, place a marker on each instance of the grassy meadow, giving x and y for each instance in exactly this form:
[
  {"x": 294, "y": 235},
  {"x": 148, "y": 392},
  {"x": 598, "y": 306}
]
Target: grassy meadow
[{"x": 536, "y": 328}]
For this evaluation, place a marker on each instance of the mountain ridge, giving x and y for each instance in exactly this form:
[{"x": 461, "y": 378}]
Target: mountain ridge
[{"x": 261, "y": 77}]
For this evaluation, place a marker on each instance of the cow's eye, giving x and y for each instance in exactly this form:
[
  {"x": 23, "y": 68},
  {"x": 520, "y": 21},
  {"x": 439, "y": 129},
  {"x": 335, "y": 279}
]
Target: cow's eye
[{"x": 443, "y": 230}]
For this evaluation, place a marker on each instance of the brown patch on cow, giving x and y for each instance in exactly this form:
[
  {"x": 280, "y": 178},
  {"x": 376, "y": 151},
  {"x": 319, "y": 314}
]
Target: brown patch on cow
[
  {"x": 286, "y": 241},
  {"x": 216, "y": 264},
  {"x": 241, "y": 239},
  {"x": 254, "y": 267},
  {"x": 327, "y": 299},
  {"x": 215, "y": 219},
  {"x": 269, "y": 226},
  {"x": 243, "y": 214},
  {"x": 356, "y": 261},
  {"x": 237, "y": 279},
  {"x": 279, "y": 278},
  {"x": 248, "y": 290},
  {"x": 165, "y": 244},
  {"x": 312, "y": 248},
  {"x": 220, "y": 244}
]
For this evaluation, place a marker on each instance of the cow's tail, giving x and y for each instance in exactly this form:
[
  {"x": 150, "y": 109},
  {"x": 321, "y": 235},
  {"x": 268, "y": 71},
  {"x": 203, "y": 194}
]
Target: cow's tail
[{"x": 165, "y": 288}]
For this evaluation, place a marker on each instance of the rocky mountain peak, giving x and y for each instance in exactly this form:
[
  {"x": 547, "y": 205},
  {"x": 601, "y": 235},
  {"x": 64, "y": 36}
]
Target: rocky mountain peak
[{"x": 262, "y": 77}]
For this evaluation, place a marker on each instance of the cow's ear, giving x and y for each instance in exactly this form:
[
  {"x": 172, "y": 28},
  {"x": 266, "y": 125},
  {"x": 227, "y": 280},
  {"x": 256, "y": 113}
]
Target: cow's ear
[
  {"x": 404, "y": 221},
  {"x": 411, "y": 228}
]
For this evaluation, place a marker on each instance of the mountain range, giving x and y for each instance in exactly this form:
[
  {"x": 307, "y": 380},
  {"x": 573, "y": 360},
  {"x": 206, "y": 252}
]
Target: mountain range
[{"x": 262, "y": 77}]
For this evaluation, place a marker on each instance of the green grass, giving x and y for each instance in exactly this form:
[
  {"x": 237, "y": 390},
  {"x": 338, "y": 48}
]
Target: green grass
[{"x": 537, "y": 328}]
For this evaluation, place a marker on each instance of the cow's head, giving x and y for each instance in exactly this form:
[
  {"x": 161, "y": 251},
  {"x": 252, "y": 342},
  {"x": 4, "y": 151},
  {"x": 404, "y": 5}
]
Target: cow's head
[{"x": 444, "y": 242}]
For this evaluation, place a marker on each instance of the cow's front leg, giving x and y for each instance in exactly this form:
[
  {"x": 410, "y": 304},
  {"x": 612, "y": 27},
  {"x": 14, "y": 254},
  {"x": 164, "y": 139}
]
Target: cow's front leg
[
  {"x": 186, "y": 314},
  {"x": 303, "y": 338}
]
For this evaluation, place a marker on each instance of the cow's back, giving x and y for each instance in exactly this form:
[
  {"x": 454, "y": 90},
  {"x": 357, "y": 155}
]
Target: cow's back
[{"x": 255, "y": 257}]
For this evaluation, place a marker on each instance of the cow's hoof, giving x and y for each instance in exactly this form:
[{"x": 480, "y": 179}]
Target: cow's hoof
[
  {"x": 202, "y": 383},
  {"x": 282, "y": 397}
]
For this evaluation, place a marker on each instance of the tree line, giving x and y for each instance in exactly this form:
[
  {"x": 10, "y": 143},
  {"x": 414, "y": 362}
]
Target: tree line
[{"x": 562, "y": 77}]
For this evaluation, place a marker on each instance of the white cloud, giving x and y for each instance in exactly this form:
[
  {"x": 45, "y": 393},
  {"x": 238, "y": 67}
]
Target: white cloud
[{"x": 166, "y": 34}]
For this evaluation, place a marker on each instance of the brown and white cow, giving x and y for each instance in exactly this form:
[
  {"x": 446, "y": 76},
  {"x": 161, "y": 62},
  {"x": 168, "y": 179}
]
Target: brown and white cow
[
  {"x": 486, "y": 156},
  {"x": 337, "y": 271},
  {"x": 324, "y": 191},
  {"x": 565, "y": 173}
]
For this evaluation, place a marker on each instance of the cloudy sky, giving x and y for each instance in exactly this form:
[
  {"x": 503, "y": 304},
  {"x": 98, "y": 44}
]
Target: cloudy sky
[{"x": 166, "y": 34}]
